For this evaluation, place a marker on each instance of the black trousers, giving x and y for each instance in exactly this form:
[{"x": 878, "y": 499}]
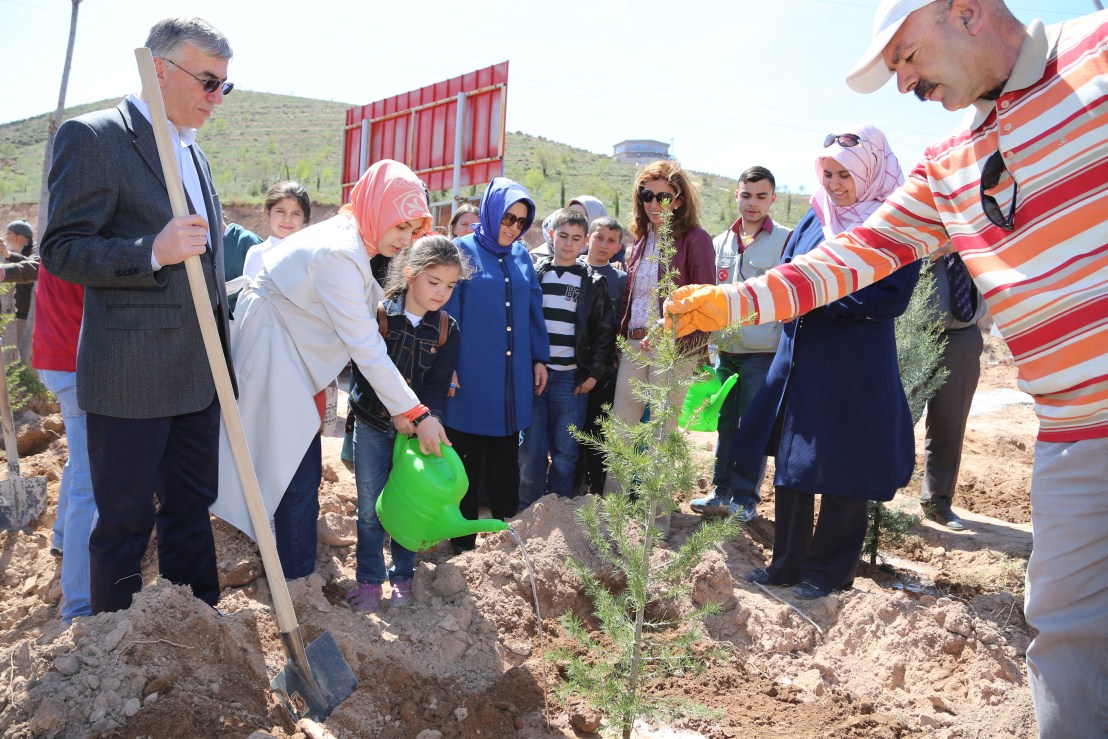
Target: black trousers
[
  {"x": 827, "y": 558},
  {"x": 132, "y": 460},
  {"x": 590, "y": 463},
  {"x": 495, "y": 459},
  {"x": 947, "y": 412}
]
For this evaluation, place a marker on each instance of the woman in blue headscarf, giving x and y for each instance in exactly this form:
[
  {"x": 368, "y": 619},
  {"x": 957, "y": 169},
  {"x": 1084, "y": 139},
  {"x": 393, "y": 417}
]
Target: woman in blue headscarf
[{"x": 503, "y": 353}]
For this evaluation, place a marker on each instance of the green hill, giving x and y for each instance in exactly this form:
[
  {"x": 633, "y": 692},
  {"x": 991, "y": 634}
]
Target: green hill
[
  {"x": 253, "y": 140},
  {"x": 258, "y": 138}
]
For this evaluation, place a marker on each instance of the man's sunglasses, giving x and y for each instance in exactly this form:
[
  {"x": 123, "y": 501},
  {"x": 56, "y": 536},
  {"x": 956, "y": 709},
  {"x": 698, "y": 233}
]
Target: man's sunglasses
[
  {"x": 648, "y": 196},
  {"x": 211, "y": 84},
  {"x": 845, "y": 140},
  {"x": 511, "y": 219},
  {"x": 990, "y": 178}
]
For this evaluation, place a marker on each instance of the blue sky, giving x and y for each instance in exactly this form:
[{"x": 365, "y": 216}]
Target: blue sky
[{"x": 730, "y": 83}]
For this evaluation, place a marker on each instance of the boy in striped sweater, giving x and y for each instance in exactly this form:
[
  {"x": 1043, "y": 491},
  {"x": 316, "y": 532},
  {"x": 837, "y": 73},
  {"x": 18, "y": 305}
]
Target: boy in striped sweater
[{"x": 581, "y": 325}]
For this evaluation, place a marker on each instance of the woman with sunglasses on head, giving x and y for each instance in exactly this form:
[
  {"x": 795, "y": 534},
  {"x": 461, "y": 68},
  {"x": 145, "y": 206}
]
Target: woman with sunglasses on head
[
  {"x": 832, "y": 409},
  {"x": 659, "y": 186},
  {"x": 309, "y": 311},
  {"x": 503, "y": 352}
]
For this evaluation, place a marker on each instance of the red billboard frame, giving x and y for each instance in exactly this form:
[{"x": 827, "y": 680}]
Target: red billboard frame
[{"x": 420, "y": 128}]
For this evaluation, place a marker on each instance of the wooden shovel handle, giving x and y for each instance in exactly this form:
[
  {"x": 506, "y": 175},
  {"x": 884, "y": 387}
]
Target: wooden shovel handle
[
  {"x": 282, "y": 601},
  {"x": 11, "y": 442}
]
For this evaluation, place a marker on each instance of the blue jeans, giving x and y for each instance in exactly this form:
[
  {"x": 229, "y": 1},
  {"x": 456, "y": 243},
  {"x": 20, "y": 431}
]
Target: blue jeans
[
  {"x": 372, "y": 464},
  {"x": 552, "y": 414},
  {"x": 76, "y": 503},
  {"x": 295, "y": 519},
  {"x": 730, "y": 481}
]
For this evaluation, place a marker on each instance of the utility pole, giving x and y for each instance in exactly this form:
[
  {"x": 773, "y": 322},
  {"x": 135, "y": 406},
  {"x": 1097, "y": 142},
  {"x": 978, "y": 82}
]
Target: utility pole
[{"x": 55, "y": 121}]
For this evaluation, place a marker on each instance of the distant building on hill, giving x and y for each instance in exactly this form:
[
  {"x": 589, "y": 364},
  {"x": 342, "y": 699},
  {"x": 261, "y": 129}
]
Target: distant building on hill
[{"x": 641, "y": 151}]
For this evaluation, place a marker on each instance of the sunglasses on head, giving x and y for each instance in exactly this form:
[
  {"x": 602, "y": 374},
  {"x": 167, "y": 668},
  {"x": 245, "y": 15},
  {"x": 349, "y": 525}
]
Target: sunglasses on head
[
  {"x": 511, "y": 219},
  {"x": 845, "y": 140},
  {"x": 990, "y": 178},
  {"x": 211, "y": 84},
  {"x": 648, "y": 196}
]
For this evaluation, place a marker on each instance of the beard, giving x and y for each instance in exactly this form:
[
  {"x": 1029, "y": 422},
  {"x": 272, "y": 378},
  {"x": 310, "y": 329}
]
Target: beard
[{"x": 995, "y": 93}]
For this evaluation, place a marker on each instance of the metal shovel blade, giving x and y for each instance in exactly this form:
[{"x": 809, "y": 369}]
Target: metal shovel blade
[
  {"x": 22, "y": 500},
  {"x": 333, "y": 676}
]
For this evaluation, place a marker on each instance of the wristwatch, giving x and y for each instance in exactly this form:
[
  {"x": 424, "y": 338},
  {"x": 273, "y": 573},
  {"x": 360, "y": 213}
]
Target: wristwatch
[{"x": 421, "y": 419}]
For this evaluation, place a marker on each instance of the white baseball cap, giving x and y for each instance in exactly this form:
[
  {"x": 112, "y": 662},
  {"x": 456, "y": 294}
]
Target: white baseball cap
[{"x": 871, "y": 73}]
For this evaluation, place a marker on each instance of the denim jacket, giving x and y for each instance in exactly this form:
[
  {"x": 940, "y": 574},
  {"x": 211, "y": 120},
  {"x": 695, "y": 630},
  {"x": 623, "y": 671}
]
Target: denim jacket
[{"x": 421, "y": 361}]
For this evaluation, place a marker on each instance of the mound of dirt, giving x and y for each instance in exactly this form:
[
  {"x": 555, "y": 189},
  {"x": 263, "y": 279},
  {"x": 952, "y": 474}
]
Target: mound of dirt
[{"x": 933, "y": 648}]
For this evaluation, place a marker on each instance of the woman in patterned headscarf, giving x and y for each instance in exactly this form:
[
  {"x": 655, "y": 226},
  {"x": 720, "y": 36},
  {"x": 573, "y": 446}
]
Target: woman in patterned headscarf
[
  {"x": 309, "y": 312},
  {"x": 832, "y": 410}
]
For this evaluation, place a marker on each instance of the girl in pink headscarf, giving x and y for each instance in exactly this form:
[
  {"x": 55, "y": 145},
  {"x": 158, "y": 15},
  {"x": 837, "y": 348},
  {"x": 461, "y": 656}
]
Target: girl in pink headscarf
[{"x": 308, "y": 313}]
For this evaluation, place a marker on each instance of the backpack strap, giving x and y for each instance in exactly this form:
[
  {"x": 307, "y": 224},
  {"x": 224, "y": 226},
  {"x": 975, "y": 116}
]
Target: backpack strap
[{"x": 382, "y": 322}]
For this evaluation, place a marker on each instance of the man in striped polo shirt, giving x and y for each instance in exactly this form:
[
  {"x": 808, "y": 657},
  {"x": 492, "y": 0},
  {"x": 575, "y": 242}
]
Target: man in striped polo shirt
[
  {"x": 1022, "y": 192},
  {"x": 581, "y": 324}
]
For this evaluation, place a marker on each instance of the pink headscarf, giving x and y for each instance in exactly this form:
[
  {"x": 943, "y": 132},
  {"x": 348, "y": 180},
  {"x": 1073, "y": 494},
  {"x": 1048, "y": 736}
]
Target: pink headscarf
[
  {"x": 876, "y": 172},
  {"x": 387, "y": 194}
]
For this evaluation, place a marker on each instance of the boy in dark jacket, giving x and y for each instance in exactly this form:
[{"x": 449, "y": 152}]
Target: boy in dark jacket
[
  {"x": 605, "y": 242},
  {"x": 581, "y": 325}
]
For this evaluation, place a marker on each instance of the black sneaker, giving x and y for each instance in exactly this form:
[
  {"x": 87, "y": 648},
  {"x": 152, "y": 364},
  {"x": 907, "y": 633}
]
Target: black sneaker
[
  {"x": 808, "y": 591},
  {"x": 945, "y": 517},
  {"x": 762, "y": 577}
]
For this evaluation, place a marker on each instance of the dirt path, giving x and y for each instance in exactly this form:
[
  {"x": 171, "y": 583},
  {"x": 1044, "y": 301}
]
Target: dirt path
[{"x": 933, "y": 648}]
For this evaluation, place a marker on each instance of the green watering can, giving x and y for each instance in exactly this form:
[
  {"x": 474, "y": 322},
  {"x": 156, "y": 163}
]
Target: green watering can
[
  {"x": 419, "y": 505},
  {"x": 700, "y": 411}
]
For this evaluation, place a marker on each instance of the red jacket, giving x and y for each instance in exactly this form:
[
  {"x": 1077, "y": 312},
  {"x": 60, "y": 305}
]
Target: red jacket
[{"x": 58, "y": 309}]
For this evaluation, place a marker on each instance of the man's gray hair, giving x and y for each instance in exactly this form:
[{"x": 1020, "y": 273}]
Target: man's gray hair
[{"x": 169, "y": 34}]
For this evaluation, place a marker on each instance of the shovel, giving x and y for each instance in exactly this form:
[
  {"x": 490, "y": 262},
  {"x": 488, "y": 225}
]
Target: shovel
[
  {"x": 22, "y": 499},
  {"x": 316, "y": 679}
]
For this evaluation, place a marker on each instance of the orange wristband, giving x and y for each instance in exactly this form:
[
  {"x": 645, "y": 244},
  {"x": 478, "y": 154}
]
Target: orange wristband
[{"x": 416, "y": 412}]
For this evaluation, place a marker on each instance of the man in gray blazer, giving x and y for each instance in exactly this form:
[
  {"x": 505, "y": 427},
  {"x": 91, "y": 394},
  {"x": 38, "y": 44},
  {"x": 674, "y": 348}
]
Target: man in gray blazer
[{"x": 142, "y": 373}]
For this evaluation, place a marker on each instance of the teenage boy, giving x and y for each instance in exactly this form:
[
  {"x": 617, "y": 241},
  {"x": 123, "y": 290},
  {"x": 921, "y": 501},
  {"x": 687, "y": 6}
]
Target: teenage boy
[
  {"x": 751, "y": 246},
  {"x": 581, "y": 324},
  {"x": 605, "y": 241}
]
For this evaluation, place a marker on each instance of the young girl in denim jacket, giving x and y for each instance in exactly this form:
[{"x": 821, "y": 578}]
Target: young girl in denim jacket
[{"x": 422, "y": 342}]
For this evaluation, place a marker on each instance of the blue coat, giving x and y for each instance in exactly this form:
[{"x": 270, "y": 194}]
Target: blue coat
[
  {"x": 834, "y": 386},
  {"x": 499, "y": 343}
]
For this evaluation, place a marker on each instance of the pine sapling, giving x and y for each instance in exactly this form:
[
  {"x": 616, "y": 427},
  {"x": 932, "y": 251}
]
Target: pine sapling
[
  {"x": 919, "y": 352},
  {"x": 653, "y": 465}
]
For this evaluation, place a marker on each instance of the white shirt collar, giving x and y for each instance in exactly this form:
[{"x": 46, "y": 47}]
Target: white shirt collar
[{"x": 184, "y": 137}]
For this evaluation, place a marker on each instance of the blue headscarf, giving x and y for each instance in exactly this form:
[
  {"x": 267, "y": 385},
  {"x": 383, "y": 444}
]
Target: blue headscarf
[{"x": 501, "y": 195}]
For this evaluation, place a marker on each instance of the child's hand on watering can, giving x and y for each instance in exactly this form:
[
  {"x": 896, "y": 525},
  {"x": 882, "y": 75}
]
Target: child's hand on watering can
[
  {"x": 403, "y": 425},
  {"x": 430, "y": 433}
]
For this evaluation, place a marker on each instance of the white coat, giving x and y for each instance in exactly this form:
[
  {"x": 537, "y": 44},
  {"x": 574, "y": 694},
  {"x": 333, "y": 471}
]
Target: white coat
[{"x": 310, "y": 311}]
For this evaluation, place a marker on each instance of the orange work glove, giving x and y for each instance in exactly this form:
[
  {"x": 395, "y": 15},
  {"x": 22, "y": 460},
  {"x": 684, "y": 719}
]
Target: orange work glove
[{"x": 698, "y": 308}]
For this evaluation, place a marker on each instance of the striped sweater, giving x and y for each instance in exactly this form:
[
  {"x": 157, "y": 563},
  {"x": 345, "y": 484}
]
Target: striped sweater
[{"x": 1046, "y": 282}]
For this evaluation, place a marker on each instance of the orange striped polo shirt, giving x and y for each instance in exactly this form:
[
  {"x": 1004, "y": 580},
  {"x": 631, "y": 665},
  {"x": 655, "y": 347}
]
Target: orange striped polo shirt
[{"x": 1046, "y": 281}]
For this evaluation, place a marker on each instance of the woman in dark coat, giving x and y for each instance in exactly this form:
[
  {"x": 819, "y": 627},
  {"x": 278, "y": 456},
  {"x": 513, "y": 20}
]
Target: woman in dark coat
[{"x": 833, "y": 410}]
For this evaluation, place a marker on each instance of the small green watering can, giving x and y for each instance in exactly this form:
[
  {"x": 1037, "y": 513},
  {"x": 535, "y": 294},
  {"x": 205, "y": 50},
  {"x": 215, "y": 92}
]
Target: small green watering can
[
  {"x": 700, "y": 411},
  {"x": 419, "y": 504}
]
